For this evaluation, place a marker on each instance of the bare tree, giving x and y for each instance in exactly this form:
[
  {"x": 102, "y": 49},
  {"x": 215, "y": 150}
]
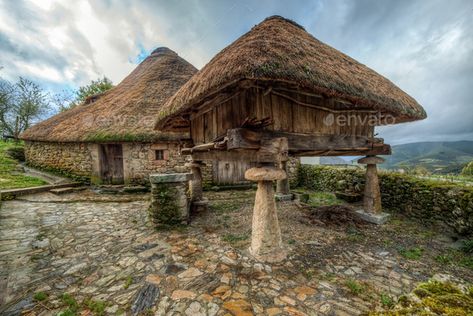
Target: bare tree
[{"x": 63, "y": 100}]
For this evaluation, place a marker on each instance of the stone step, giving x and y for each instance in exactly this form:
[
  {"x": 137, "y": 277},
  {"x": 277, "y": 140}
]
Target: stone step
[
  {"x": 10, "y": 194},
  {"x": 62, "y": 190}
]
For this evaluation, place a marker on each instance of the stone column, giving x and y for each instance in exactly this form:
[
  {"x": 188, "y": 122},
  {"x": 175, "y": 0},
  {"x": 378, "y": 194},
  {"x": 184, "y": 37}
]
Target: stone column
[
  {"x": 170, "y": 202},
  {"x": 282, "y": 186},
  {"x": 372, "y": 210},
  {"x": 196, "y": 182},
  {"x": 266, "y": 242}
]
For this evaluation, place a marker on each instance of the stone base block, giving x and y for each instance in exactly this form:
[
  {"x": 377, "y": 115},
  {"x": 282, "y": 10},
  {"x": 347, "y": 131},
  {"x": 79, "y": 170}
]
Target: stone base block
[
  {"x": 277, "y": 255},
  {"x": 170, "y": 201},
  {"x": 284, "y": 197},
  {"x": 378, "y": 219},
  {"x": 199, "y": 206}
]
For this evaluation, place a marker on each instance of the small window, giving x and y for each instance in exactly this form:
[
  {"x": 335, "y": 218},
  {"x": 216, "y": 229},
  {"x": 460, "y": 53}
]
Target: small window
[{"x": 159, "y": 154}]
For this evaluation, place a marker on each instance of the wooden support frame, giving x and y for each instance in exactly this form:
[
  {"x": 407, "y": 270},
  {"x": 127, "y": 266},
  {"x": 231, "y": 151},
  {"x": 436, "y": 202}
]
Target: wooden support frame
[
  {"x": 305, "y": 144},
  {"x": 259, "y": 145}
]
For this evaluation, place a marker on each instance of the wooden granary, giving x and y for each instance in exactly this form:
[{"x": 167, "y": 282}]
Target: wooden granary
[{"x": 277, "y": 92}]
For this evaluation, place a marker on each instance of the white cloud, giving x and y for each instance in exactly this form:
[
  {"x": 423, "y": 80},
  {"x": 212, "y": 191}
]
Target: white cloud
[{"x": 425, "y": 47}]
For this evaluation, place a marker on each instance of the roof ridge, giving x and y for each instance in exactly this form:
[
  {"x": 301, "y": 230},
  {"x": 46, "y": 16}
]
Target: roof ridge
[{"x": 281, "y": 18}]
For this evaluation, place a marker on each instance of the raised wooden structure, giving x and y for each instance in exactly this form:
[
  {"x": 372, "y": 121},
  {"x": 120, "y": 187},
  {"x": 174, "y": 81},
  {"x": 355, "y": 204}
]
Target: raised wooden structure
[{"x": 278, "y": 92}]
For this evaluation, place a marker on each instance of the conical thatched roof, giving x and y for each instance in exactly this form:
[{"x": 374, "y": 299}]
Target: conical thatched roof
[
  {"x": 126, "y": 112},
  {"x": 280, "y": 50}
]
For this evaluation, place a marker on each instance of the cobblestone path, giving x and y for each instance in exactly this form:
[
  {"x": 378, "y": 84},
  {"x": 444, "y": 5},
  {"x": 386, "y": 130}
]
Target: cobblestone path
[{"x": 102, "y": 252}]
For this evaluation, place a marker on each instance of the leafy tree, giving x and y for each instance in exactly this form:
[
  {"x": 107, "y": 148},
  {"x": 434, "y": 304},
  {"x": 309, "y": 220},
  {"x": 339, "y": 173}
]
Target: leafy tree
[
  {"x": 63, "y": 100},
  {"x": 95, "y": 87},
  {"x": 20, "y": 105},
  {"x": 468, "y": 169}
]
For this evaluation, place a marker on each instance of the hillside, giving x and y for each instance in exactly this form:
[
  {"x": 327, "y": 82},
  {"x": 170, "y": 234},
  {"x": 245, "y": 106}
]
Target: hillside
[{"x": 437, "y": 157}]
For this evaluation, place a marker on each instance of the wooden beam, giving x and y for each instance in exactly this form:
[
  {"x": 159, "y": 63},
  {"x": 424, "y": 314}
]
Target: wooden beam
[
  {"x": 241, "y": 138},
  {"x": 378, "y": 150},
  {"x": 234, "y": 155}
]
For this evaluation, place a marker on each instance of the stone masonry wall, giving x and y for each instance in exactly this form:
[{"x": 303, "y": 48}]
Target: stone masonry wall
[
  {"x": 140, "y": 161},
  {"x": 71, "y": 158},
  {"x": 423, "y": 199}
]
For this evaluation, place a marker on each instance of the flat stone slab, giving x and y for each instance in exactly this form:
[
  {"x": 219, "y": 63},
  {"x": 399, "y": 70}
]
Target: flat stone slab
[
  {"x": 284, "y": 197},
  {"x": 170, "y": 177},
  {"x": 9, "y": 194},
  {"x": 62, "y": 190},
  {"x": 378, "y": 219}
]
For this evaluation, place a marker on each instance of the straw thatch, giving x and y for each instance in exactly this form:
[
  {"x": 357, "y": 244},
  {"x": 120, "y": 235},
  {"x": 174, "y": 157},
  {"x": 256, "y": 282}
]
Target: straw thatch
[
  {"x": 280, "y": 50},
  {"x": 125, "y": 112}
]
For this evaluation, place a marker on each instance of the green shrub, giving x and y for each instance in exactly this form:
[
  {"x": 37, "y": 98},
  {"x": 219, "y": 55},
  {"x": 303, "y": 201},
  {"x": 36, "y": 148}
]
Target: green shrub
[{"x": 16, "y": 152}]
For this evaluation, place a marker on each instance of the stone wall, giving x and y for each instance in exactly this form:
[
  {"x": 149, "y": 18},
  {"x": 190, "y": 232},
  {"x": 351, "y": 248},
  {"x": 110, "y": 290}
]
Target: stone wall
[
  {"x": 419, "y": 198},
  {"x": 82, "y": 159},
  {"x": 140, "y": 160},
  {"x": 292, "y": 170},
  {"x": 70, "y": 158}
]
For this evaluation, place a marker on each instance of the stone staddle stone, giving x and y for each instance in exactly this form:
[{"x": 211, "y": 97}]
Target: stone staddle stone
[
  {"x": 265, "y": 174},
  {"x": 371, "y": 160},
  {"x": 266, "y": 242}
]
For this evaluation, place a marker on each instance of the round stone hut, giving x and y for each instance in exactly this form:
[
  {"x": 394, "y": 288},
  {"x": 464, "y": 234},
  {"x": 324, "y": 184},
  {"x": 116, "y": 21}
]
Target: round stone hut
[
  {"x": 276, "y": 92},
  {"x": 110, "y": 138}
]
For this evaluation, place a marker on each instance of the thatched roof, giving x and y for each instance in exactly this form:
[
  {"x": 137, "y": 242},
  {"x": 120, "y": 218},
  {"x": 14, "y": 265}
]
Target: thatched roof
[
  {"x": 126, "y": 112},
  {"x": 280, "y": 50}
]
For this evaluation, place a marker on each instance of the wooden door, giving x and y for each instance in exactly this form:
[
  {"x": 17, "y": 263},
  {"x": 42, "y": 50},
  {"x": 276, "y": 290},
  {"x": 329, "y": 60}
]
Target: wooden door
[
  {"x": 230, "y": 172},
  {"x": 111, "y": 163}
]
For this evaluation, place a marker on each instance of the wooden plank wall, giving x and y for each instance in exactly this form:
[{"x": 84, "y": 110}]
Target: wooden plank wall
[
  {"x": 230, "y": 172},
  {"x": 288, "y": 116}
]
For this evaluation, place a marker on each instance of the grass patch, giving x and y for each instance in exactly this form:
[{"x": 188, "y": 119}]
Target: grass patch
[
  {"x": 443, "y": 259},
  {"x": 412, "y": 253},
  {"x": 40, "y": 296},
  {"x": 70, "y": 301},
  {"x": 354, "y": 235},
  {"x": 317, "y": 199},
  {"x": 233, "y": 239},
  {"x": 67, "y": 312},
  {"x": 355, "y": 287},
  {"x": 97, "y": 307},
  {"x": 386, "y": 300},
  {"x": 128, "y": 282},
  {"x": 455, "y": 257},
  {"x": 229, "y": 206},
  {"x": 10, "y": 176}
]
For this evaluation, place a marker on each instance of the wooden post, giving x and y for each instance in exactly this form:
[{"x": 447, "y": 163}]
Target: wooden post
[
  {"x": 266, "y": 242},
  {"x": 282, "y": 186},
  {"x": 372, "y": 209}
]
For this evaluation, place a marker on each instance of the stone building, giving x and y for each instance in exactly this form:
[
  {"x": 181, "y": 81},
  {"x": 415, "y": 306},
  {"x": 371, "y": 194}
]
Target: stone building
[{"x": 110, "y": 138}]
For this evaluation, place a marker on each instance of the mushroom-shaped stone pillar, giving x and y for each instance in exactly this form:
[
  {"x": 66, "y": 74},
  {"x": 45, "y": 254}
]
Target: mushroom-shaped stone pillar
[
  {"x": 282, "y": 186},
  {"x": 266, "y": 242},
  {"x": 372, "y": 210}
]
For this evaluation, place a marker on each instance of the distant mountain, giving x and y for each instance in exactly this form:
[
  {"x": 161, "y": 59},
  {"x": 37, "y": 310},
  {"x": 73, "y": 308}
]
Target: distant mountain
[{"x": 437, "y": 157}]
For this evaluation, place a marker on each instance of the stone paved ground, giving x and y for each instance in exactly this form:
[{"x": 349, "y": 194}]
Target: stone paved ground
[{"x": 102, "y": 252}]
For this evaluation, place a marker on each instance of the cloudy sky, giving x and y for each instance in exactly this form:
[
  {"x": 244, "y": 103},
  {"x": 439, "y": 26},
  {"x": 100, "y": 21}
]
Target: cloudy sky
[{"x": 425, "y": 47}]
